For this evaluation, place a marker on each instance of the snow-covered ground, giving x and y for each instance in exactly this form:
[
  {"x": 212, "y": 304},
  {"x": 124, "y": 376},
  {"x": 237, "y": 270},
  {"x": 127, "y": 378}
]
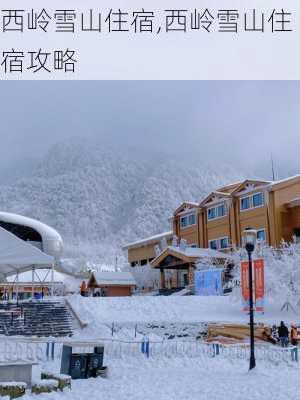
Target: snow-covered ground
[
  {"x": 175, "y": 370},
  {"x": 185, "y": 378},
  {"x": 170, "y": 309}
]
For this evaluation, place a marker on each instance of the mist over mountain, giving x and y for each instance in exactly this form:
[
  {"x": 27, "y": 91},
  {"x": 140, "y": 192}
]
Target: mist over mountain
[{"x": 100, "y": 197}]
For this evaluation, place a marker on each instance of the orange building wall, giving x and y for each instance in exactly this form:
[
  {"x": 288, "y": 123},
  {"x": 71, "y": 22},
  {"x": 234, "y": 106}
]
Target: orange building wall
[{"x": 118, "y": 291}]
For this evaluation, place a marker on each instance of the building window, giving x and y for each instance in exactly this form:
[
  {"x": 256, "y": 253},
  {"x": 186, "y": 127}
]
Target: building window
[
  {"x": 211, "y": 213},
  {"x": 221, "y": 211},
  {"x": 261, "y": 235},
  {"x": 213, "y": 244},
  {"x": 219, "y": 244},
  {"x": 245, "y": 203},
  {"x": 188, "y": 220},
  {"x": 258, "y": 200},
  {"x": 224, "y": 243},
  {"x": 217, "y": 212},
  {"x": 253, "y": 201}
]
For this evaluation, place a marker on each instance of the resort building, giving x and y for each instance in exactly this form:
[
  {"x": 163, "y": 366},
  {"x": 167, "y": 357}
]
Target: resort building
[
  {"x": 217, "y": 222},
  {"x": 142, "y": 252}
]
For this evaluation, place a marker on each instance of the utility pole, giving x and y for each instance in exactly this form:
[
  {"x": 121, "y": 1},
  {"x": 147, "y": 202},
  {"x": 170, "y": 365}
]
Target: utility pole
[{"x": 273, "y": 171}]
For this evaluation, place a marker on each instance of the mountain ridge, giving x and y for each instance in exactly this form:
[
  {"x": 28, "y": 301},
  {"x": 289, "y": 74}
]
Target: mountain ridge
[{"x": 99, "y": 198}]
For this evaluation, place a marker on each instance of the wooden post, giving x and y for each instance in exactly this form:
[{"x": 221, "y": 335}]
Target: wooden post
[
  {"x": 32, "y": 282},
  {"x": 162, "y": 279},
  {"x": 190, "y": 274},
  {"x": 52, "y": 280}
]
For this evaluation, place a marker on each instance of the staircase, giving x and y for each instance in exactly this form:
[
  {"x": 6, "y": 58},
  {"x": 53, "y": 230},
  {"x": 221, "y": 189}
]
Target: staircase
[{"x": 40, "y": 318}]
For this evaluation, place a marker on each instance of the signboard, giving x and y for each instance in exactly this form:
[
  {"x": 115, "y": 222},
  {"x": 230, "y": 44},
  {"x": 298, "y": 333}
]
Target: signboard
[
  {"x": 258, "y": 285},
  {"x": 245, "y": 285},
  {"x": 209, "y": 282}
]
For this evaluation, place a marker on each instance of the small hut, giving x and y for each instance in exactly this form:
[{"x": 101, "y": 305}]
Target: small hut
[{"x": 111, "y": 283}]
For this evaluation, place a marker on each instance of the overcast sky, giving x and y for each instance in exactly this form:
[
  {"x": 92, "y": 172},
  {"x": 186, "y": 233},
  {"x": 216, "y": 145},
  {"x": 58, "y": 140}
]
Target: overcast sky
[{"x": 243, "y": 122}]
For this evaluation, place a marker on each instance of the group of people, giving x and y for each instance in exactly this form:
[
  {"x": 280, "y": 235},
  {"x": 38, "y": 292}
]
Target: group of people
[{"x": 282, "y": 335}]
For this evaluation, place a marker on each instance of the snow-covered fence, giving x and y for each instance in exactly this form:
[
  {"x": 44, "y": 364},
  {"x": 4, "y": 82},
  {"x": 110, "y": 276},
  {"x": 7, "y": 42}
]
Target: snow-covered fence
[{"x": 38, "y": 350}]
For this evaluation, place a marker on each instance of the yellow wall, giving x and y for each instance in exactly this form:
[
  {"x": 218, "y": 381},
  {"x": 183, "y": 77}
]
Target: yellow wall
[
  {"x": 190, "y": 234},
  {"x": 218, "y": 228},
  {"x": 141, "y": 253},
  {"x": 283, "y": 222}
]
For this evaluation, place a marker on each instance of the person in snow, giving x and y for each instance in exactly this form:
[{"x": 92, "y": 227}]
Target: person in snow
[
  {"x": 295, "y": 338},
  {"x": 83, "y": 288},
  {"x": 283, "y": 333}
]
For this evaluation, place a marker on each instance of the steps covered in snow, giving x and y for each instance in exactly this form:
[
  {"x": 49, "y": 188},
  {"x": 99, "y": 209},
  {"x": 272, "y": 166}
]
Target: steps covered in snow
[{"x": 41, "y": 318}]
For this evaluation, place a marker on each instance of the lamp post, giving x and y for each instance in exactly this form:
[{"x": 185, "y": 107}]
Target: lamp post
[{"x": 250, "y": 240}]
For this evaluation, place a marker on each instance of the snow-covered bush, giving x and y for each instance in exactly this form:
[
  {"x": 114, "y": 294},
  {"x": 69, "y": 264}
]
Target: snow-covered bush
[
  {"x": 145, "y": 276},
  {"x": 282, "y": 272}
]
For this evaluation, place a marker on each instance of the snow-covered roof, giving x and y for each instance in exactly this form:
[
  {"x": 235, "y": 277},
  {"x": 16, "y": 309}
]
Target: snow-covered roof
[
  {"x": 191, "y": 254},
  {"x": 294, "y": 202},
  {"x": 52, "y": 241},
  {"x": 228, "y": 187},
  {"x": 191, "y": 203},
  {"x": 149, "y": 240},
  {"x": 114, "y": 278},
  {"x": 199, "y": 252},
  {"x": 16, "y": 255},
  {"x": 284, "y": 180},
  {"x": 185, "y": 206}
]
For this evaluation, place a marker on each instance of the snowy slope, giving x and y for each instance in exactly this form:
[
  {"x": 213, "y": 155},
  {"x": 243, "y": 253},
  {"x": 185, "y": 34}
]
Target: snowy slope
[
  {"x": 100, "y": 197},
  {"x": 176, "y": 309}
]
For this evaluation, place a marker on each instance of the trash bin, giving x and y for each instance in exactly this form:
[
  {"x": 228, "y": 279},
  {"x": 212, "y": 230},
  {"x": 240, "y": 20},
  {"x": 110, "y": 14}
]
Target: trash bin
[
  {"x": 81, "y": 365},
  {"x": 93, "y": 364},
  {"x": 78, "y": 366},
  {"x": 74, "y": 365}
]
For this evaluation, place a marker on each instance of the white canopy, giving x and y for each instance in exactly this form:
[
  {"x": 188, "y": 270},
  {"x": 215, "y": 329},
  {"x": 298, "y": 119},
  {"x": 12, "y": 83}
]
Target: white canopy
[{"x": 17, "y": 256}]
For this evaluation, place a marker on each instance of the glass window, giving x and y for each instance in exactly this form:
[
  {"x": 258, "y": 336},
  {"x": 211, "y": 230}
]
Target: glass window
[
  {"x": 213, "y": 244},
  {"x": 183, "y": 222},
  {"x": 245, "y": 203},
  {"x": 224, "y": 243},
  {"x": 188, "y": 220},
  {"x": 221, "y": 210},
  {"x": 261, "y": 235},
  {"x": 192, "y": 219},
  {"x": 211, "y": 213},
  {"x": 258, "y": 199}
]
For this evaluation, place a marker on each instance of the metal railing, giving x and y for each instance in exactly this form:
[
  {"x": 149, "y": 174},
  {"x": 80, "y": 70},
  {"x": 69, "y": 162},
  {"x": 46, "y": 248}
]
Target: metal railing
[{"x": 43, "y": 350}]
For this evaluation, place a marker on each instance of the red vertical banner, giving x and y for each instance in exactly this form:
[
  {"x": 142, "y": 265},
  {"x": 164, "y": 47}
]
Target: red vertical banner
[
  {"x": 259, "y": 284},
  {"x": 245, "y": 285}
]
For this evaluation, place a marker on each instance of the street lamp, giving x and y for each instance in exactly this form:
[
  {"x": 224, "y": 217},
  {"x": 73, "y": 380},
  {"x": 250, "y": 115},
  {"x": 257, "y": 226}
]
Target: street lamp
[{"x": 250, "y": 240}]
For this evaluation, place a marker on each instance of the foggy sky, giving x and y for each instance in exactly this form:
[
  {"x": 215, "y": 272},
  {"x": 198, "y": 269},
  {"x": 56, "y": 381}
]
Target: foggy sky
[{"x": 238, "y": 122}]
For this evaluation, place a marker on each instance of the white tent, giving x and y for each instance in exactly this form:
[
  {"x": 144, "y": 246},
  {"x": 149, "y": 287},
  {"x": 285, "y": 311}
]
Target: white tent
[{"x": 18, "y": 256}]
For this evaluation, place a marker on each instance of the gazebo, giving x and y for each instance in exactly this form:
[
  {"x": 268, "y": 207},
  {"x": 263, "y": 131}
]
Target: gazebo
[{"x": 184, "y": 260}]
